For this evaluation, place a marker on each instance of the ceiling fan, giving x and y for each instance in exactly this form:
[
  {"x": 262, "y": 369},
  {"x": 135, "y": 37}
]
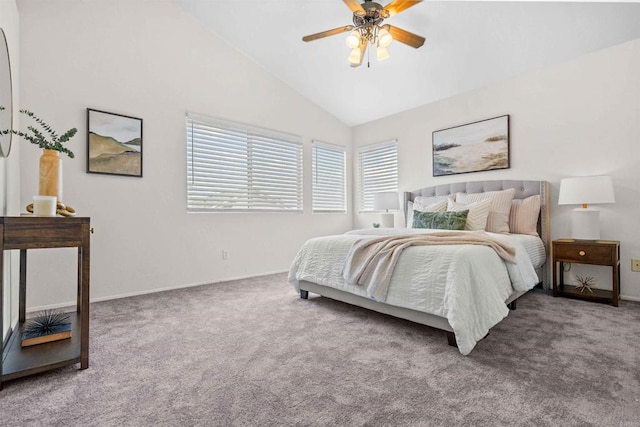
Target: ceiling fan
[{"x": 367, "y": 29}]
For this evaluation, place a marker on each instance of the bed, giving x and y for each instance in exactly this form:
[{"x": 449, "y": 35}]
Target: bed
[{"x": 462, "y": 289}]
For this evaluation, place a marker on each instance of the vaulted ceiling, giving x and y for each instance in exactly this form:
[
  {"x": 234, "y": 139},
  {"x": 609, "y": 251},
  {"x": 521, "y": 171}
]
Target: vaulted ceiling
[{"x": 469, "y": 44}]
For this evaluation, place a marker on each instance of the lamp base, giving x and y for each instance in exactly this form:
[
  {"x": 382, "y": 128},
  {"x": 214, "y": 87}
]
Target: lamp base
[
  {"x": 387, "y": 220},
  {"x": 585, "y": 224}
]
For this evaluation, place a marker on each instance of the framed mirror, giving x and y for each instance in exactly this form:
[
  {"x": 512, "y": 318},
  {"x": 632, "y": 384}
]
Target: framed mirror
[{"x": 6, "y": 96}]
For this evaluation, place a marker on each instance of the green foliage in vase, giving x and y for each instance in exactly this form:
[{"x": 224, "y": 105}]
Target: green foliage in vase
[{"x": 38, "y": 136}]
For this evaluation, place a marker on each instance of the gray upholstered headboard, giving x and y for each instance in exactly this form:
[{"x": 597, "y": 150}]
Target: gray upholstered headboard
[{"x": 524, "y": 189}]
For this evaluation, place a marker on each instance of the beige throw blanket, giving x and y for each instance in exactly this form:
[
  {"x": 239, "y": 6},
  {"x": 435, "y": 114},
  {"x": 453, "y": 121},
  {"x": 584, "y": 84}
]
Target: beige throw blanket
[{"x": 370, "y": 261}]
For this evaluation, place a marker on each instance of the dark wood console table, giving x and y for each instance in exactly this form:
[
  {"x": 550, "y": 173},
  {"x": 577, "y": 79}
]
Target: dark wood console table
[{"x": 30, "y": 232}]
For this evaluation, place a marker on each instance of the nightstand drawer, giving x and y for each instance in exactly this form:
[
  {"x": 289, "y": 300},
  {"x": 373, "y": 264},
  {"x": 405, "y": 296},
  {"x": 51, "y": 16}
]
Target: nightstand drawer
[{"x": 585, "y": 253}]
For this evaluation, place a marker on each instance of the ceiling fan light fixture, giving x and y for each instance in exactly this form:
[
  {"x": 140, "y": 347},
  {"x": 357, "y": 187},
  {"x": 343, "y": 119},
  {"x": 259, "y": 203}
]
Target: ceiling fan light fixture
[
  {"x": 382, "y": 53},
  {"x": 368, "y": 30},
  {"x": 353, "y": 39},
  {"x": 384, "y": 38}
]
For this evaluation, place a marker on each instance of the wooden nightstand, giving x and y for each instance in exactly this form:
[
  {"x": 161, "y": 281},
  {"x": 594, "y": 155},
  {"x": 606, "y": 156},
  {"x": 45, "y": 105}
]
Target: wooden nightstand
[{"x": 593, "y": 252}]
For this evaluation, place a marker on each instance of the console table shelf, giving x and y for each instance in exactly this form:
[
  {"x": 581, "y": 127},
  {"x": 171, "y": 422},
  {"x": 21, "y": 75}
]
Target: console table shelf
[{"x": 25, "y": 233}]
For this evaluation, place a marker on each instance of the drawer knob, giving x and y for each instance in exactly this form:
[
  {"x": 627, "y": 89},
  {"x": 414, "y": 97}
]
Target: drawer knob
[{"x": 582, "y": 253}]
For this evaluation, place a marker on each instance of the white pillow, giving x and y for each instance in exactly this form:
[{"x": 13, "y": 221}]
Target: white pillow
[
  {"x": 498, "y": 219},
  {"x": 440, "y": 206},
  {"x": 478, "y": 213},
  {"x": 523, "y": 218},
  {"x": 430, "y": 200}
]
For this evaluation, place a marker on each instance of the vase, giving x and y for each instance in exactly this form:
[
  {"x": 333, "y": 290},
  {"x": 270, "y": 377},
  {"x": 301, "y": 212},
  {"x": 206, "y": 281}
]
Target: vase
[{"x": 51, "y": 174}]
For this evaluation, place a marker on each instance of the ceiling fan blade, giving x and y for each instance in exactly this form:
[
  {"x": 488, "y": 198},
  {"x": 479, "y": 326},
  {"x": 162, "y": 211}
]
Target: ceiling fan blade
[
  {"x": 404, "y": 36},
  {"x": 354, "y": 5},
  {"x": 316, "y": 36},
  {"x": 397, "y": 6},
  {"x": 363, "y": 48}
]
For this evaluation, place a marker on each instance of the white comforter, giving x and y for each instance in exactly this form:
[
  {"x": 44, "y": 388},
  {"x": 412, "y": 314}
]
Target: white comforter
[{"x": 466, "y": 284}]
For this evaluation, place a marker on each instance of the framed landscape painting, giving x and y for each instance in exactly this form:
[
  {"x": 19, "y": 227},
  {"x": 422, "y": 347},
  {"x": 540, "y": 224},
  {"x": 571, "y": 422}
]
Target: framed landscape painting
[
  {"x": 474, "y": 147},
  {"x": 114, "y": 144}
]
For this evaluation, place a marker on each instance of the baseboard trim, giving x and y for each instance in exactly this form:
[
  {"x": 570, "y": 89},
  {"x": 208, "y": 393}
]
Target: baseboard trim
[{"x": 72, "y": 304}]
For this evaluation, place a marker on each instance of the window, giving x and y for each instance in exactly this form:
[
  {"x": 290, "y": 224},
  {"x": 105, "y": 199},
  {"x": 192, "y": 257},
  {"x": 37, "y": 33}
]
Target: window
[
  {"x": 328, "y": 175},
  {"x": 235, "y": 167},
  {"x": 378, "y": 169}
]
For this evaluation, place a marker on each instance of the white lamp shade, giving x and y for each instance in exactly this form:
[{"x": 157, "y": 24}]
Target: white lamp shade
[
  {"x": 387, "y": 200},
  {"x": 384, "y": 38},
  {"x": 355, "y": 56},
  {"x": 382, "y": 53},
  {"x": 586, "y": 190},
  {"x": 353, "y": 39}
]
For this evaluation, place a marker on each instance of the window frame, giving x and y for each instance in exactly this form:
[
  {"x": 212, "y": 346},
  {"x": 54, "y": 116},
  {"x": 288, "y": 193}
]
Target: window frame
[
  {"x": 236, "y": 158},
  {"x": 365, "y": 195},
  {"x": 339, "y": 193}
]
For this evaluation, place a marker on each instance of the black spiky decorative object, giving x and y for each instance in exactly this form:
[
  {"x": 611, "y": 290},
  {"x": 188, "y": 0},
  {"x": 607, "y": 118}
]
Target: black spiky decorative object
[
  {"x": 585, "y": 283},
  {"x": 49, "y": 325}
]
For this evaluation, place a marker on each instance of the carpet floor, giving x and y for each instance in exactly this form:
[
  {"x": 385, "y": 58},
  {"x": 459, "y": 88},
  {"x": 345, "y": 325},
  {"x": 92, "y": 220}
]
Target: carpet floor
[{"x": 251, "y": 353}]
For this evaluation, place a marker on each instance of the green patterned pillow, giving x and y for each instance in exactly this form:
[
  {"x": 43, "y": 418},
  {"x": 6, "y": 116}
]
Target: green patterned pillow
[{"x": 440, "y": 220}]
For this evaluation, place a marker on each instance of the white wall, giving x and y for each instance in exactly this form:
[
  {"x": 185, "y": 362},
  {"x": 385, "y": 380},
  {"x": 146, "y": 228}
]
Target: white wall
[
  {"x": 577, "y": 118},
  {"x": 150, "y": 60},
  {"x": 9, "y": 167},
  {"x": 153, "y": 61}
]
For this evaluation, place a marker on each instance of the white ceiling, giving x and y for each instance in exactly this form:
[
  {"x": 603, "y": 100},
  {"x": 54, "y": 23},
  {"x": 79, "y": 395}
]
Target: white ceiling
[{"x": 469, "y": 45}]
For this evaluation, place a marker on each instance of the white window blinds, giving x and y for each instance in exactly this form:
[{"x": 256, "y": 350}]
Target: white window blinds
[
  {"x": 234, "y": 167},
  {"x": 328, "y": 175},
  {"x": 378, "y": 170}
]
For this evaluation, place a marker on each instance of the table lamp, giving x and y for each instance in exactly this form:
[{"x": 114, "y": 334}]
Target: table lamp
[
  {"x": 585, "y": 190},
  {"x": 385, "y": 201}
]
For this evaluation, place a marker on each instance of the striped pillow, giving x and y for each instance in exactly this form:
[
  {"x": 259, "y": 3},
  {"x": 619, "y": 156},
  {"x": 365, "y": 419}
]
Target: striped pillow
[
  {"x": 478, "y": 213},
  {"x": 523, "y": 218},
  {"x": 498, "y": 219}
]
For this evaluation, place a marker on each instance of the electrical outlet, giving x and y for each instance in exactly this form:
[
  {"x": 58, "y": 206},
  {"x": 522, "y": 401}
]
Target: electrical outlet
[
  {"x": 635, "y": 264},
  {"x": 225, "y": 254}
]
